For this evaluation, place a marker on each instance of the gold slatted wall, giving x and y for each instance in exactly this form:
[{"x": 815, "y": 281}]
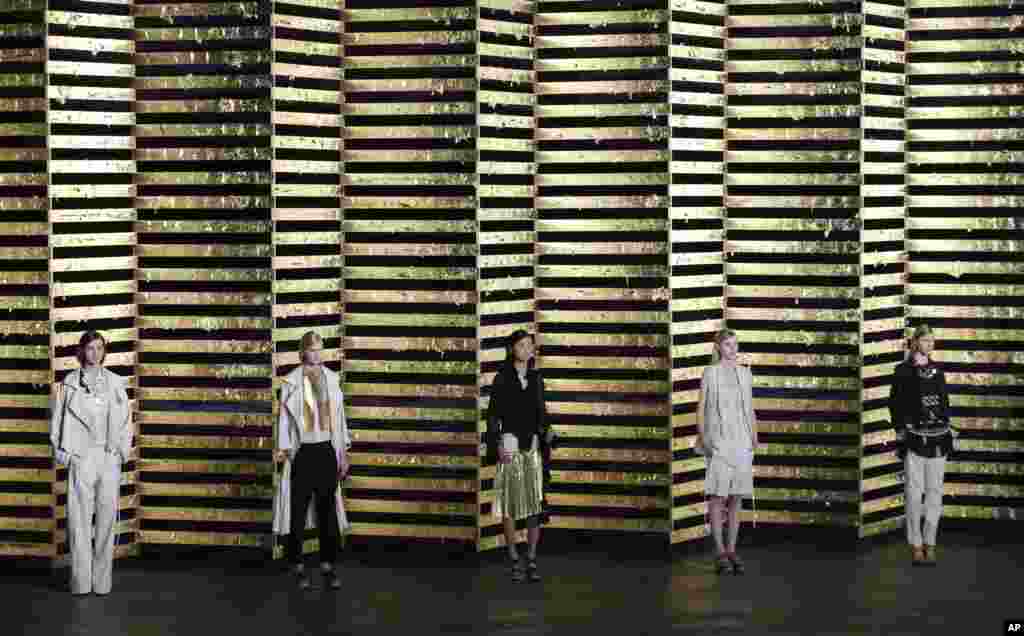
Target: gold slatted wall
[
  {"x": 698, "y": 216},
  {"x": 883, "y": 258},
  {"x": 91, "y": 69},
  {"x": 27, "y": 491},
  {"x": 506, "y": 216},
  {"x": 966, "y": 105},
  {"x": 602, "y": 274},
  {"x": 792, "y": 248},
  {"x": 204, "y": 183},
  {"x": 410, "y": 268},
  {"x": 307, "y": 142}
]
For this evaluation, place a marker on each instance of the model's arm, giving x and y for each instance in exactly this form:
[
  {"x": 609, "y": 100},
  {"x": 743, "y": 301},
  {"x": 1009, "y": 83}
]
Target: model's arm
[
  {"x": 753, "y": 411},
  {"x": 283, "y": 443},
  {"x": 57, "y": 397},
  {"x": 492, "y": 438},
  {"x": 699, "y": 415},
  {"x": 124, "y": 416}
]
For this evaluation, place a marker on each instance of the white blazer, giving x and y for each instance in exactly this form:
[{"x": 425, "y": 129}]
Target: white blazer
[
  {"x": 288, "y": 438},
  {"x": 70, "y": 432}
]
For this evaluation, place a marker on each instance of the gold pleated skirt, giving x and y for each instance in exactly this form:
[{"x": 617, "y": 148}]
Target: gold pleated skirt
[{"x": 519, "y": 486}]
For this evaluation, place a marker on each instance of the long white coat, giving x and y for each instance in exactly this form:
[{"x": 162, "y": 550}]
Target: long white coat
[
  {"x": 288, "y": 438},
  {"x": 70, "y": 433}
]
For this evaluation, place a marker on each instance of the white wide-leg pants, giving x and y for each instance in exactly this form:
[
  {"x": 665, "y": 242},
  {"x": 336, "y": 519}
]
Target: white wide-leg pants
[
  {"x": 94, "y": 481},
  {"x": 924, "y": 478}
]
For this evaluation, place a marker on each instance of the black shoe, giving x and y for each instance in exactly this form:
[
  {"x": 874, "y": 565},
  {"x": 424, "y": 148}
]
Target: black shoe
[
  {"x": 723, "y": 565},
  {"x": 532, "y": 573},
  {"x": 301, "y": 577},
  {"x": 331, "y": 578}
]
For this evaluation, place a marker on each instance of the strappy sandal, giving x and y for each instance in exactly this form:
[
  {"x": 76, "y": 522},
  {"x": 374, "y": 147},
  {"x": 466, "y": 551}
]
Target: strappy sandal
[
  {"x": 723, "y": 565},
  {"x": 518, "y": 571},
  {"x": 737, "y": 564},
  {"x": 532, "y": 572}
]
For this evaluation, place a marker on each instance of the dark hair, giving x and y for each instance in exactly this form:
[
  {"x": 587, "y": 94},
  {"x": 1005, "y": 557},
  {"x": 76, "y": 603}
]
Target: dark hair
[
  {"x": 510, "y": 344},
  {"x": 84, "y": 341}
]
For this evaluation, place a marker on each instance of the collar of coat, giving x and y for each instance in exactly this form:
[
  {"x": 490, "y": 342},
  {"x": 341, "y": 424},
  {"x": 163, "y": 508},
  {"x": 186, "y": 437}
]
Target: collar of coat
[
  {"x": 75, "y": 392},
  {"x": 291, "y": 392}
]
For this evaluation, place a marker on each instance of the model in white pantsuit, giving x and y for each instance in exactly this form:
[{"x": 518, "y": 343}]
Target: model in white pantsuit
[{"x": 91, "y": 433}]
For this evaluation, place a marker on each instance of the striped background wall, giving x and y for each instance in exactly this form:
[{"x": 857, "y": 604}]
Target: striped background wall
[
  {"x": 28, "y": 481},
  {"x": 205, "y": 181},
  {"x": 602, "y": 273},
  {"x": 203, "y": 147},
  {"x": 793, "y": 248},
  {"x": 410, "y": 267}
]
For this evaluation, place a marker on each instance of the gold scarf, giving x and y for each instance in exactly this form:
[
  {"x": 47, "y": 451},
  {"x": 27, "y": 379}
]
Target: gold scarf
[{"x": 315, "y": 390}]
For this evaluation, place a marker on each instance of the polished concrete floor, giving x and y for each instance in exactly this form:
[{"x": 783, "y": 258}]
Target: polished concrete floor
[{"x": 615, "y": 586}]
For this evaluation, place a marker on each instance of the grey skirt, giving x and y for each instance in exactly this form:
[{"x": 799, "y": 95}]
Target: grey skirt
[{"x": 519, "y": 486}]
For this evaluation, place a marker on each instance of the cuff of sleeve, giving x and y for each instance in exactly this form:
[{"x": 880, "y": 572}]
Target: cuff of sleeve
[{"x": 60, "y": 456}]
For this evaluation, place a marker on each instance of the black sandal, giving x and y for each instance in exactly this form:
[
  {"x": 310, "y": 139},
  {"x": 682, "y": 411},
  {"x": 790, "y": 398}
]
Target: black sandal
[
  {"x": 723, "y": 565},
  {"x": 737, "y": 564},
  {"x": 532, "y": 571}
]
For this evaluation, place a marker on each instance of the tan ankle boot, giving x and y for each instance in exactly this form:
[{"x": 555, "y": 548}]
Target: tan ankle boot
[{"x": 917, "y": 555}]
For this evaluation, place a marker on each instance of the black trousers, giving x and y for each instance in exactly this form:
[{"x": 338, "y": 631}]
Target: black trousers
[{"x": 314, "y": 474}]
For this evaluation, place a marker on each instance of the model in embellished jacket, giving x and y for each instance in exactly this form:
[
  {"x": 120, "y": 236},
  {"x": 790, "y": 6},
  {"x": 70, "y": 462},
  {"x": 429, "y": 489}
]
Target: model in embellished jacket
[
  {"x": 919, "y": 410},
  {"x": 519, "y": 437},
  {"x": 91, "y": 433},
  {"x": 312, "y": 440}
]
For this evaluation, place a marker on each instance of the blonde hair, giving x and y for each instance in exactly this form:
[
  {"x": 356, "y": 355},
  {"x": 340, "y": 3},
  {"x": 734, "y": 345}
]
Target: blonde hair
[
  {"x": 308, "y": 339},
  {"x": 720, "y": 336},
  {"x": 920, "y": 331}
]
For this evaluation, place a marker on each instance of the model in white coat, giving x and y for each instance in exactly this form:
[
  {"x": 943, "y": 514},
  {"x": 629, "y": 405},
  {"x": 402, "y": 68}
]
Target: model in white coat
[
  {"x": 91, "y": 434},
  {"x": 312, "y": 440}
]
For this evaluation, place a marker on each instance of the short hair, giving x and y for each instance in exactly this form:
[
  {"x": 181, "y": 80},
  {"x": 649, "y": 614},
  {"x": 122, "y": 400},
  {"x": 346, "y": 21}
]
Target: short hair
[
  {"x": 308, "y": 340},
  {"x": 921, "y": 331},
  {"x": 84, "y": 342},
  {"x": 723, "y": 335}
]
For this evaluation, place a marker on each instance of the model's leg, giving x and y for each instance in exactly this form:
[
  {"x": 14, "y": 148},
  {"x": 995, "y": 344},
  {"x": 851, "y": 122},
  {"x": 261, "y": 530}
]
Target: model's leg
[
  {"x": 913, "y": 470},
  {"x": 108, "y": 492},
  {"x": 301, "y": 492},
  {"x": 326, "y": 517},
  {"x": 934, "y": 474},
  {"x": 716, "y": 516},
  {"x": 734, "y": 504},
  {"x": 80, "y": 507}
]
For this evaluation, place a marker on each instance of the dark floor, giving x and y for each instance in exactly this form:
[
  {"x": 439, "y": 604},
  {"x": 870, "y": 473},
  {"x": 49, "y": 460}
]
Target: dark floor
[{"x": 610, "y": 587}]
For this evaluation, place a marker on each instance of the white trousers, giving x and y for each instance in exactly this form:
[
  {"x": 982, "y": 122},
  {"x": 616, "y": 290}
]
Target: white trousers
[
  {"x": 94, "y": 481},
  {"x": 923, "y": 478}
]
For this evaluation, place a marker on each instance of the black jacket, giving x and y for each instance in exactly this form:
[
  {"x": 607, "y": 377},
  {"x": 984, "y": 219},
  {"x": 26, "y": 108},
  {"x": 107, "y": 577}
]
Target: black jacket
[
  {"x": 906, "y": 413},
  {"x": 505, "y": 392}
]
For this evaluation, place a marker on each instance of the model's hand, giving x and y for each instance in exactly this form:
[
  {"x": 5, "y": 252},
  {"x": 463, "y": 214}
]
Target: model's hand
[
  {"x": 343, "y": 466},
  {"x": 549, "y": 436},
  {"x": 280, "y": 456}
]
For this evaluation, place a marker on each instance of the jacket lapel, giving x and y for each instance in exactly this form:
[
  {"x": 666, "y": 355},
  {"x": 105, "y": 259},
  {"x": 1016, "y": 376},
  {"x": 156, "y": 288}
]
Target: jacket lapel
[
  {"x": 76, "y": 398},
  {"x": 291, "y": 396}
]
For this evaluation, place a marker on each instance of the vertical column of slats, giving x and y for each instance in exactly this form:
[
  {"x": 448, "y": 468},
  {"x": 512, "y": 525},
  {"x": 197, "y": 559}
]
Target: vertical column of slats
[
  {"x": 27, "y": 479},
  {"x": 966, "y": 107},
  {"x": 883, "y": 258},
  {"x": 602, "y": 273},
  {"x": 793, "y": 249},
  {"x": 506, "y": 212},
  {"x": 92, "y": 235},
  {"x": 410, "y": 268},
  {"x": 307, "y": 164},
  {"x": 204, "y": 172},
  {"x": 698, "y": 216}
]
